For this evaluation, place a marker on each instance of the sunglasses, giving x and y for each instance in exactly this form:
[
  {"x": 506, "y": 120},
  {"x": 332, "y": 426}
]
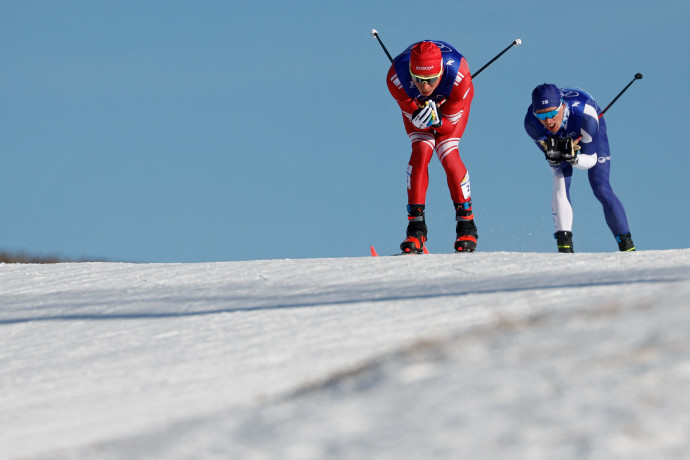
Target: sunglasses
[
  {"x": 428, "y": 80},
  {"x": 553, "y": 113}
]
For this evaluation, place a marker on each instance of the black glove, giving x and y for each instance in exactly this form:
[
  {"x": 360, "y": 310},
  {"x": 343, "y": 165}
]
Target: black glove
[
  {"x": 569, "y": 150},
  {"x": 552, "y": 150},
  {"x": 558, "y": 149}
]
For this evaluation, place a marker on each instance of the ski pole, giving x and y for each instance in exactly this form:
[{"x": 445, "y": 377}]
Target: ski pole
[
  {"x": 516, "y": 42},
  {"x": 374, "y": 33},
  {"x": 638, "y": 76}
]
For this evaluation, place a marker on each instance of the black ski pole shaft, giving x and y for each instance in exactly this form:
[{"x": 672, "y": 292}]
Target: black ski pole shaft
[
  {"x": 638, "y": 76},
  {"x": 516, "y": 42},
  {"x": 374, "y": 33}
]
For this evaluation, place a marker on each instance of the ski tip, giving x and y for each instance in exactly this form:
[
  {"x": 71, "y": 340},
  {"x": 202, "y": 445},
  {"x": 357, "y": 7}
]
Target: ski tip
[
  {"x": 425, "y": 250},
  {"x": 373, "y": 251}
]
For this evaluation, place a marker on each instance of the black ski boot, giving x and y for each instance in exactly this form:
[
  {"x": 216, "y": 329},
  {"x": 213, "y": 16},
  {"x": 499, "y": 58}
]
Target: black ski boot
[
  {"x": 625, "y": 243},
  {"x": 564, "y": 240},
  {"x": 416, "y": 230},
  {"x": 465, "y": 229}
]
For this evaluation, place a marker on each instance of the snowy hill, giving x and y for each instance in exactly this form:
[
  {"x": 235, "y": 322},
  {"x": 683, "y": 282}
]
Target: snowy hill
[{"x": 486, "y": 355}]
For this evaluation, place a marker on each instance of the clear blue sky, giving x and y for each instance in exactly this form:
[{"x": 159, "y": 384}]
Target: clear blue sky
[{"x": 195, "y": 131}]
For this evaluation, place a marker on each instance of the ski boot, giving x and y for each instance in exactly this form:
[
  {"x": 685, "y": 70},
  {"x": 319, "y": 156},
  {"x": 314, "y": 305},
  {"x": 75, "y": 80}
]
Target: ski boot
[
  {"x": 625, "y": 242},
  {"x": 465, "y": 229},
  {"x": 416, "y": 230},
  {"x": 564, "y": 241}
]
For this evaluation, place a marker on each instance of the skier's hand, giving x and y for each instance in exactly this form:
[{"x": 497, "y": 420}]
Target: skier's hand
[
  {"x": 569, "y": 150},
  {"x": 435, "y": 115},
  {"x": 426, "y": 116},
  {"x": 552, "y": 150}
]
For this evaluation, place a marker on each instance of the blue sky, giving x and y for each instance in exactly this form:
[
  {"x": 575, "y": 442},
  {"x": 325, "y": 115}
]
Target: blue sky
[{"x": 184, "y": 131}]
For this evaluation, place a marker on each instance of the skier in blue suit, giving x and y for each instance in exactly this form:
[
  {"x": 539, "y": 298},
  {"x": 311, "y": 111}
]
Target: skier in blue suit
[{"x": 566, "y": 125}]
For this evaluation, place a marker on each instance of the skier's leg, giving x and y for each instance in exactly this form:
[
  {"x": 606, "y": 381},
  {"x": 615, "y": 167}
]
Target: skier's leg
[
  {"x": 561, "y": 208},
  {"x": 458, "y": 180},
  {"x": 614, "y": 213},
  {"x": 417, "y": 185}
]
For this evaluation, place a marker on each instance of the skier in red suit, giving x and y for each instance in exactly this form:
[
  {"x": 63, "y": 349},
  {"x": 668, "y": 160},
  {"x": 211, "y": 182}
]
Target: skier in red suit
[{"x": 431, "y": 83}]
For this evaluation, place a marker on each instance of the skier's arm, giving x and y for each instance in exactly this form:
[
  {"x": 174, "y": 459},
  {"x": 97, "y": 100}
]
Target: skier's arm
[
  {"x": 406, "y": 103},
  {"x": 590, "y": 128},
  {"x": 455, "y": 109}
]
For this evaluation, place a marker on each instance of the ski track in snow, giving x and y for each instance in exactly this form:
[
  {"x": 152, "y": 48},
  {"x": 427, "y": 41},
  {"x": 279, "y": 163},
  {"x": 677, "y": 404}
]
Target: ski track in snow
[{"x": 484, "y": 355}]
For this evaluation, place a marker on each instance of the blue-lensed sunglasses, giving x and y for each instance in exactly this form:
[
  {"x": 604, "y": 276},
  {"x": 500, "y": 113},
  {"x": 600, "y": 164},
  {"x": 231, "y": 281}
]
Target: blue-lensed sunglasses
[{"x": 553, "y": 113}]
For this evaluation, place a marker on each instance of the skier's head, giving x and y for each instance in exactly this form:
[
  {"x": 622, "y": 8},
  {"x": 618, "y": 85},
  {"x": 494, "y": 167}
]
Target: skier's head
[
  {"x": 548, "y": 107},
  {"x": 426, "y": 67},
  {"x": 426, "y": 60},
  {"x": 545, "y": 96}
]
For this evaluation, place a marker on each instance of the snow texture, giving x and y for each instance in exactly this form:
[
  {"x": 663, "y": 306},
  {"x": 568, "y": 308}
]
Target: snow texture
[{"x": 484, "y": 356}]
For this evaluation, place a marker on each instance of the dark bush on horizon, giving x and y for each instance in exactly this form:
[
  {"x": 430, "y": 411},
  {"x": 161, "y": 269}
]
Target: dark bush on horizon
[{"x": 23, "y": 258}]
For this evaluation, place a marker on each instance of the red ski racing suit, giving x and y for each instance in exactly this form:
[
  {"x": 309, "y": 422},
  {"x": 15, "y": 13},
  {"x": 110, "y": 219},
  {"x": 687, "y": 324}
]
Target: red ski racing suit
[{"x": 453, "y": 97}]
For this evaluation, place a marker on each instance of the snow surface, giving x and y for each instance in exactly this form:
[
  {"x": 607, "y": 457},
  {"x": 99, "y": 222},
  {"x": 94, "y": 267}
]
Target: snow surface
[{"x": 486, "y": 355}]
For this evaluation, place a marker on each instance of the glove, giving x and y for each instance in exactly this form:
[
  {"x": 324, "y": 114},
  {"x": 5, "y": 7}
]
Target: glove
[
  {"x": 569, "y": 150},
  {"x": 435, "y": 115},
  {"x": 426, "y": 116},
  {"x": 559, "y": 149},
  {"x": 552, "y": 150}
]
